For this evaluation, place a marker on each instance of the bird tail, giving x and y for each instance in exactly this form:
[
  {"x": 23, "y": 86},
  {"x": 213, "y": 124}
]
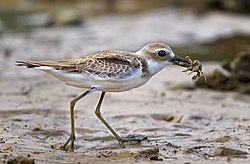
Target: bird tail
[
  {"x": 49, "y": 65},
  {"x": 41, "y": 65},
  {"x": 28, "y": 64}
]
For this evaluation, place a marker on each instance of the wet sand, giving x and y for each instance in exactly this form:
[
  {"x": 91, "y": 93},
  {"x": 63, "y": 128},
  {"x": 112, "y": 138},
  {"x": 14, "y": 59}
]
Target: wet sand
[{"x": 183, "y": 126}]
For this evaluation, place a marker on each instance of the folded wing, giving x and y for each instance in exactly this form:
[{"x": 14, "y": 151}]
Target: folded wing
[{"x": 104, "y": 65}]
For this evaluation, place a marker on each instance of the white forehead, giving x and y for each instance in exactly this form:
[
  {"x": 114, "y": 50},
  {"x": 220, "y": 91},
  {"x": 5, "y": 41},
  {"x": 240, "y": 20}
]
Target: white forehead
[{"x": 163, "y": 48}]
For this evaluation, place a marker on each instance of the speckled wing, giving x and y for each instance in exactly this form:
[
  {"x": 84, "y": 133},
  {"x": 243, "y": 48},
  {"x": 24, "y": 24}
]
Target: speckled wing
[{"x": 106, "y": 65}]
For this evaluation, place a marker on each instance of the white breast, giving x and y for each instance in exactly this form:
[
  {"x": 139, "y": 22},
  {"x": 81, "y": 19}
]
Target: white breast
[{"x": 108, "y": 84}]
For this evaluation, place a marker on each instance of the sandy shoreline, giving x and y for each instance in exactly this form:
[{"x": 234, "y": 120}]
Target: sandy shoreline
[{"x": 211, "y": 121}]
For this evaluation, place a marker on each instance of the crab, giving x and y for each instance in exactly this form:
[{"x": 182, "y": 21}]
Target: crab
[{"x": 195, "y": 67}]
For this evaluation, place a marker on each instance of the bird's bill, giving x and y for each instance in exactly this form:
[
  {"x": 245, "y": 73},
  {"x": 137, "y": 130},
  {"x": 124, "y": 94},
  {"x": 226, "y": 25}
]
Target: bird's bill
[{"x": 176, "y": 60}]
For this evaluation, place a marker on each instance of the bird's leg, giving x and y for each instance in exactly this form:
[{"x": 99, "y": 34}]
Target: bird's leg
[
  {"x": 72, "y": 137},
  {"x": 117, "y": 136},
  {"x": 99, "y": 115}
]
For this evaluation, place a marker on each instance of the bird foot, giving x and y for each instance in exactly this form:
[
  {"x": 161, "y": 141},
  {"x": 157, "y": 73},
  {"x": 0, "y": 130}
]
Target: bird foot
[{"x": 70, "y": 141}]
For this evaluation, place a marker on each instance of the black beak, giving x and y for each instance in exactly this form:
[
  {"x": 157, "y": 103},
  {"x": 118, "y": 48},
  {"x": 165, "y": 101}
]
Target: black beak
[{"x": 176, "y": 60}]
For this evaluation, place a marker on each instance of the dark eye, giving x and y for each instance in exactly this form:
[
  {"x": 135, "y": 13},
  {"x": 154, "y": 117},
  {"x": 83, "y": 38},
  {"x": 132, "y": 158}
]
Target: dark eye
[{"x": 162, "y": 53}]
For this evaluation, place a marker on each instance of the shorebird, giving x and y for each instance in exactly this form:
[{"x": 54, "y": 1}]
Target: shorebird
[{"x": 108, "y": 71}]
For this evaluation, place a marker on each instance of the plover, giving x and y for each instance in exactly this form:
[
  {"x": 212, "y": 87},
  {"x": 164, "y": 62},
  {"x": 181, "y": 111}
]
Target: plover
[{"x": 108, "y": 71}]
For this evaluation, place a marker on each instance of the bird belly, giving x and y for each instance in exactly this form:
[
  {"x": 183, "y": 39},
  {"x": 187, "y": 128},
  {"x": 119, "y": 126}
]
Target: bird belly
[{"x": 107, "y": 84}]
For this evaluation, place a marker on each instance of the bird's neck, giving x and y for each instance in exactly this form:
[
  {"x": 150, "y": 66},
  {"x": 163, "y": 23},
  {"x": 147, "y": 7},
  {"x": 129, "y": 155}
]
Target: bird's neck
[{"x": 154, "y": 67}]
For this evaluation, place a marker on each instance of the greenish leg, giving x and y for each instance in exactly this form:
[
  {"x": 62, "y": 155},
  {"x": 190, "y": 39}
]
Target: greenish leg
[
  {"x": 99, "y": 115},
  {"x": 138, "y": 138},
  {"x": 72, "y": 137}
]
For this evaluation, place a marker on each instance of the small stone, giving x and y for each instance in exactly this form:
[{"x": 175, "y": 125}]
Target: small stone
[
  {"x": 223, "y": 151},
  {"x": 155, "y": 158}
]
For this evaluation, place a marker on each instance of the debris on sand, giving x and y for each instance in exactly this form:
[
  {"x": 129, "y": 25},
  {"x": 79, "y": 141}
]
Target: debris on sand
[
  {"x": 224, "y": 139},
  {"x": 224, "y": 151},
  {"x": 115, "y": 155},
  {"x": 10, "y": 159},
  {"x": 163, "y": 117},
  {"x": 37, "y": 127},
  {"x": 155, "y": 158},
  {"x": 235, "y": 75},
  {"x": 151, "y": 154}
]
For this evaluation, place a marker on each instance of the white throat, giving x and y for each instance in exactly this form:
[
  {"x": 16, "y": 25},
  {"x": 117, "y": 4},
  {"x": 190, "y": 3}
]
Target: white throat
[{"x": 154, "y": 66}]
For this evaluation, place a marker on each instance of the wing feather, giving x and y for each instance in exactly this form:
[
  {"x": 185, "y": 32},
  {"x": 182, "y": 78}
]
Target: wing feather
[
  {"x": 109, "y": 65},
  {"x": 105, "y": 64}
]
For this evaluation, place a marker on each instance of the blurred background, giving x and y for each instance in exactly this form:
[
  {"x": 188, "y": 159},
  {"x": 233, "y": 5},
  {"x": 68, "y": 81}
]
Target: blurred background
[{"x": 210, "y": 30}]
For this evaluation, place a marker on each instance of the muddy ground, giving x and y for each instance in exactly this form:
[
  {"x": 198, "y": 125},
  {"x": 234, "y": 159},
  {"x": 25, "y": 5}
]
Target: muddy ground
[{"x": 183, "y": 126}]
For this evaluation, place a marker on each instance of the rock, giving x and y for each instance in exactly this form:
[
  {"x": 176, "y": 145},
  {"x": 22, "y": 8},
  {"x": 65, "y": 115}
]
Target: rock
[
  {"x": 223, "y": 151},
  {"x": 37, "y": 127},
  {"x": 163, "y": 117},
  {"x": 149, "y": 152},
  {"x": 234, "y": 76},
  {"x": 240, "y": 66},
  {"x": 224, "y": 139},
  {"x": 155, "y": 158},
  {"x": 218, "y": 81}
]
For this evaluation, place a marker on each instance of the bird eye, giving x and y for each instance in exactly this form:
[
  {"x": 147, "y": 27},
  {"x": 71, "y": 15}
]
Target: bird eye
[{"x": 162, "y": 53}]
